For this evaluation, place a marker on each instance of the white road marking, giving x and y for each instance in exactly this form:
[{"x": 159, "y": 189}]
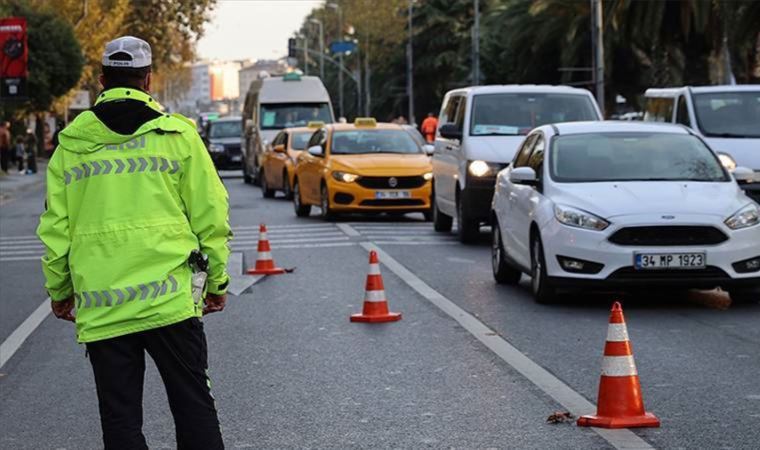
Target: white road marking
[
  {"x": 12, "y": 343},
  {"x": 290, "y": 241},
  {"x": 239, "y": 281},
  {"x": 20, "y": 242},
  {"x": 417, "y": 242},
  {"x": 251, "y": 235},
  {"x": 542, "y": 378},
  {"x": 327, "y": 245},
  {"x": 400, "y": 232},
  {"x": 15, "y": 238},
  {"x": 22, "y": 252},
  {"x": 348, "y": 230},
  {"x": 287, "y": 226},
  {"x": 22, "y": 258}
]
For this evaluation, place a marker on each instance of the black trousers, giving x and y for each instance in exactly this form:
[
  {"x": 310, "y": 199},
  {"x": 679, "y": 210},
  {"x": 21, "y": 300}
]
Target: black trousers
[{"x": 180, "y": 354}]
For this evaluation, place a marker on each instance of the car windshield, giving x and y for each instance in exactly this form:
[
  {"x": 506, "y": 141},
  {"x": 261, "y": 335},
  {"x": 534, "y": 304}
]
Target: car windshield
[
  {"x": 225, "y": 129},
  {"x": 515, "y": 114},
  {"x": 299, "y": 140},
  {"x": 729, "y": 114},
  {"x": 358, "y": 142},
  {"x": 633, "y": 157},
  {"x": 287, "y": 115}
]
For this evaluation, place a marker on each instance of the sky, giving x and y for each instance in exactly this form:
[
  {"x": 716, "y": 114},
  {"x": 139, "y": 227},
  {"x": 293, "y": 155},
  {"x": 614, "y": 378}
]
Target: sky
[{"x": 253, "y": 29}]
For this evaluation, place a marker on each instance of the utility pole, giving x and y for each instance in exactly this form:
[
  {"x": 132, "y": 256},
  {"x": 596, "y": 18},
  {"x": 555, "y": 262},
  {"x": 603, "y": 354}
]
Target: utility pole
[
  {"x": 305, "y": 53},
  {"x": 337, "y": 7},
  {"x": 321, "y": 48},
  {"x": 410, "y": 66},
  {"x": 367, "y": 98},
  {"x": 476, "y": 46},
  {"x": 597, "y": 51}
]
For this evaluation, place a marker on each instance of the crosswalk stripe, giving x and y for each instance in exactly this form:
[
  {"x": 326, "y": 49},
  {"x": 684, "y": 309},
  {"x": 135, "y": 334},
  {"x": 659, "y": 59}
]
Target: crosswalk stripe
[
  {"x": 289, "y": 241},
  {"x": 415, "y": 243},
  {"x": 20, "y": 247},
  {"x": 22, "y": 252},
  {"x": 251, "y": 235}
]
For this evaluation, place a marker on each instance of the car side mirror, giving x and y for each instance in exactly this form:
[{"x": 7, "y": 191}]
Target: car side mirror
[
  {"x": 523, "y": 175},
  {"x": 316, "y": 150},
  {"x": 279, "y": 148},
  {"x": 743, "y": 175},
  {"x": 429, "y": 149},
  {"x": 450, "y": 131}
]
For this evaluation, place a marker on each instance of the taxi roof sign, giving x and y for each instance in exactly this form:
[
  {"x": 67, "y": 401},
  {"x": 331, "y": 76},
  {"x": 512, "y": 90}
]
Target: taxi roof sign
[
  {"x": 368, "y": 122},
  {"x": 291, "y": 76},
  {"x": 315, "y": 124}
]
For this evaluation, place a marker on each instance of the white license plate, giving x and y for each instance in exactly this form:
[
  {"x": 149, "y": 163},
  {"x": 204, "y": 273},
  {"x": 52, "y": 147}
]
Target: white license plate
[
  {"x": 236, "y": 158},
  {"x": 653, "y": 261},
  {"x": 392, "y": 194}
]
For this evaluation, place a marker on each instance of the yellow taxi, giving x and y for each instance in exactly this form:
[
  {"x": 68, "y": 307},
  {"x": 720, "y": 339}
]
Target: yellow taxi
[
  {"x": 362, "y": 167},
  {"x": 278, "y": 161}
]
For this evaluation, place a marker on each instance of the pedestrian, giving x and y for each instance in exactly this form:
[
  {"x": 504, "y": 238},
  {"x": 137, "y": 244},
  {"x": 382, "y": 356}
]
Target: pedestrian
[
  {"x": 132, "y": 200},
  {"x": 30, "y": 142},
  {"x": 5, "y": 145},
  {"x": 429, "y": 127},
  {"x": 19, "y": 151}
]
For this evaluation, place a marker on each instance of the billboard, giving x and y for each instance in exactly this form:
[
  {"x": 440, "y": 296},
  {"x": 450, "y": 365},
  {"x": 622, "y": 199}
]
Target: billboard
[{"x": 13, "y": 57}]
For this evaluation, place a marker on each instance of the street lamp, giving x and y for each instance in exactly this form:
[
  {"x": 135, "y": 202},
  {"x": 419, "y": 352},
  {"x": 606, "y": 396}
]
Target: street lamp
[
  {"x": 337, "y": 8},
  {"x": 321, "y": 47},
  {"x": 410, "y": 66}
]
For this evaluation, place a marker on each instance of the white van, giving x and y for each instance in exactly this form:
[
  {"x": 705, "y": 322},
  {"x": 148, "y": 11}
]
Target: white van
[
  {"x": 726, "y": 117},
  {"x": 479, "y": 130},
  {"x": 274, "y": 103}
]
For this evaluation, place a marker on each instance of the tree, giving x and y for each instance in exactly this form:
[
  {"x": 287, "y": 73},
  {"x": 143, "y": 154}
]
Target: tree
[{"x": 55, "y": 63}]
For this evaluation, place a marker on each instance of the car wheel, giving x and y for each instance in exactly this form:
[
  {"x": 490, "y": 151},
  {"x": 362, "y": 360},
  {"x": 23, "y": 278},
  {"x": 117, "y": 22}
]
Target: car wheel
[
  {"x": 744, "y": 296},
  {"x": 266, "y": 191},
  {"x": 542, "y": 291},
  {"x": 324, "y": 204},
  {"x": 441, "y": 222},
  {"x": 503, "y": 273},
  {"x": 286, "y": 186},
  {"x": 300, "y": 209},
  {"x": 467, "y": 228}
]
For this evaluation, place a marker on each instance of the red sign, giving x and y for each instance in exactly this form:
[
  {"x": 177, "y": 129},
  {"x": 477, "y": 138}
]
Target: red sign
[{"x": 13, "y": 57}]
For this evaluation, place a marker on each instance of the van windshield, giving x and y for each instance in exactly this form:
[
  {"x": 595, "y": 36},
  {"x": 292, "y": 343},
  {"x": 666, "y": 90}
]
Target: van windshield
[
  {"x": 728, "y": 114},
  {"x": 289, "y": 115},
  {"x": 518, "y": 113}
]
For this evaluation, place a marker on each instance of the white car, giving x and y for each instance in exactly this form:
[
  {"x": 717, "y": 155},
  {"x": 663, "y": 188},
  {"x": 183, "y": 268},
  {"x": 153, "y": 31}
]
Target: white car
[{"x": 618, "y": 205}]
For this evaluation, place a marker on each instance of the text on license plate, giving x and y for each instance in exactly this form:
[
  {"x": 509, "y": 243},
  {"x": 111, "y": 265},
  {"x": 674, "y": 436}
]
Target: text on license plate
[
  {"x": 669, "y": 261},
  {"x": 392, "y": 194}
]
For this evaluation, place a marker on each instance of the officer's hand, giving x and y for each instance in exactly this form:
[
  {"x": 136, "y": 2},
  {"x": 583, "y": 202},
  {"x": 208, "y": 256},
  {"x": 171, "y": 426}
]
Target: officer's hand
[
  {"x": 214, "y": 303},
  {"x": 64, "y": 309}
]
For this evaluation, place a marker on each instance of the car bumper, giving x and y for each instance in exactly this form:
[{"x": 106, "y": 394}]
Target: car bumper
[
  {"x": 618, "y": 261},
  {"x": 477, "y": 196},
  {"x": 227, "y": 160},
  {"x": 350, "y": 197}
]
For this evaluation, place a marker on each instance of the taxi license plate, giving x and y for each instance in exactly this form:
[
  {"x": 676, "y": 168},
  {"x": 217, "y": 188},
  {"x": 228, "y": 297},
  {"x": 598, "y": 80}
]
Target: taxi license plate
[
  {"x": 392, "y": 194},
  {"x": 236, "y": 158},
  {"x": 654, "y": 261}
]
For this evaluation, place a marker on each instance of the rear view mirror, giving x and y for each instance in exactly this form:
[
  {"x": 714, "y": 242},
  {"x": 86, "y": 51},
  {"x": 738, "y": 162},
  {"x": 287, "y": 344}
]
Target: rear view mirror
[
  {"x": 428, "y": 148},
  {"x": 450, "y": 131},
  {"x": 315, "y": 150},
  {"x": 523, "y": 175},
  {"x": 743, "y": 175}
]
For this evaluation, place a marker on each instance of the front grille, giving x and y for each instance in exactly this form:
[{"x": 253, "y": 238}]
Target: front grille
[
  {"x": 630, "y": 273},
  {"x": 393, "y": 202},
  {"x": 385, "y": 183},
  {"x": 232, "y": 150},
  {"x": 656, "y": 236}
]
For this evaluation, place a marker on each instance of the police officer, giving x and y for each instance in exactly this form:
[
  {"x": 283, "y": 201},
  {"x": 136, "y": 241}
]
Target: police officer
[{"x": 131, "y": 193}]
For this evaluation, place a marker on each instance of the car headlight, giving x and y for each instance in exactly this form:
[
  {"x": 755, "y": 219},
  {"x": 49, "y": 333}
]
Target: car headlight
[
  {"x": 727, "y": 161},
  {"x": 580, "y": 219},
  {"x": 344, "y": 177},
  {"x": 479, "y": 168},
  {"x": 746, "y": 217},
  {"x": 428, "y": 176},
  {"x": 216, "y": 148}
]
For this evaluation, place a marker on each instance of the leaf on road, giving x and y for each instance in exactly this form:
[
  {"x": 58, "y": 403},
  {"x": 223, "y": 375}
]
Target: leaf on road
[{"x": 560, "y": 417}]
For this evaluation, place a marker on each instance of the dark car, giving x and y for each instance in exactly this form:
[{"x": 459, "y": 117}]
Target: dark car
[{"x": 222, "y": 138}]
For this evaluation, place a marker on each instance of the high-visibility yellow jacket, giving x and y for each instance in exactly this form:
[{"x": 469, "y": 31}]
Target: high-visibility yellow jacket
[{"x": 124, "y": 211}]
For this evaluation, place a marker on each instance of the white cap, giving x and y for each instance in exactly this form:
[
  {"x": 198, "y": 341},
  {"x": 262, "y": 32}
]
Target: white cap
[{"x": 127, "y": 51}]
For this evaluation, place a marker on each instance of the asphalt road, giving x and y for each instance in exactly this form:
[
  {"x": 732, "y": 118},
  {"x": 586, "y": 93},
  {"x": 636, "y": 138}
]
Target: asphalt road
[{"x": 290, "y": 370}]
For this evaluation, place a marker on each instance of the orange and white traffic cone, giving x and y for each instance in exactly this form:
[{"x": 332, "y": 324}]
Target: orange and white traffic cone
[
  {"x": 264, "y": 262},
  {"x": 375, "y": 308},
  {"x": 620, "y": 404}
]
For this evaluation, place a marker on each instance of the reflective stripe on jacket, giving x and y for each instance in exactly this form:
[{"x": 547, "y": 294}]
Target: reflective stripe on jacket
[{"x": 123, "y": 213}]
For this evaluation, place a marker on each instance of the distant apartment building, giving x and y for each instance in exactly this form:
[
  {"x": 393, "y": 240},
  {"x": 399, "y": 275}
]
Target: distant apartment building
[{"x": 214, "y": 87}]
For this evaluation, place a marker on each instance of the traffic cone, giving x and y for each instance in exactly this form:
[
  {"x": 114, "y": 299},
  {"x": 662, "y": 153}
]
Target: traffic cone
[
  {"x": 620, "y": 404},
  {"x": 375, "y": 305},
  {"x": 264, "y": 262}
]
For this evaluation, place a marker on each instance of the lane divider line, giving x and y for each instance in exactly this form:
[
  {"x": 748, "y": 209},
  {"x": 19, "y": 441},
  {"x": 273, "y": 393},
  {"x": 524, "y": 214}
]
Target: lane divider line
[
  {"x": 12, "y": 343},
  {"x": 345, "y": 228},
  {"x": 542, "y": 378}
]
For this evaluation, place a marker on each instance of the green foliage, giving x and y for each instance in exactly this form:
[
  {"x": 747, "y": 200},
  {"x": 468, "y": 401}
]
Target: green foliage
[{"x": 55, "y": 58}]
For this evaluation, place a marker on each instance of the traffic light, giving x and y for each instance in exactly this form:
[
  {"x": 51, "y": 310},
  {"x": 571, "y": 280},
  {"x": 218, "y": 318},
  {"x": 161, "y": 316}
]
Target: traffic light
[{"x": 292, "y": 48}]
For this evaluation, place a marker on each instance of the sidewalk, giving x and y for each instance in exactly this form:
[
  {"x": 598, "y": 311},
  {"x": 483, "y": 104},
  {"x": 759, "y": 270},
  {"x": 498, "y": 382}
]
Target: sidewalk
[{"x": 12, "y": 182}]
